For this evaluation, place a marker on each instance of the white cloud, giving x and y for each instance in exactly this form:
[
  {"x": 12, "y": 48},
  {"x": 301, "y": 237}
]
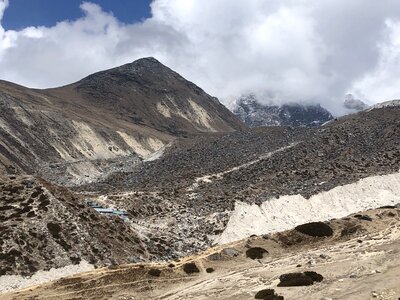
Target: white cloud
[
  {"x": 383, "y": 82},
  {"x": 284, "y": 50},
  {"x": 3, "y": 6}
]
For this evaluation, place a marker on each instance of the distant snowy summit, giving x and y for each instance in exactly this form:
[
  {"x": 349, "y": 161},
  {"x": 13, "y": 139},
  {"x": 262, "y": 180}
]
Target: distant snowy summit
[
  {"x": 255, "y": 114},
  {"x": 390, "y": 103}
]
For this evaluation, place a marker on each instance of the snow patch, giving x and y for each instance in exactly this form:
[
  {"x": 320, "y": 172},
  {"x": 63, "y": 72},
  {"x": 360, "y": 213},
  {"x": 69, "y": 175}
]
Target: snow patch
[{"x": 286, "y": 212}]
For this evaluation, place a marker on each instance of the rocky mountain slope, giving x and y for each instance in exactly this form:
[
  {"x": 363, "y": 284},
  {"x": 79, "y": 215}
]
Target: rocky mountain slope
[
  {"x": 255, "y": 114},
  {"x": 108, "y": 120},
  {"x": 207, "y": 190},
  {"x": 45, "y": 226},
  {"x": 351, "y": 258},
  {"x": 202, "y": 186}
]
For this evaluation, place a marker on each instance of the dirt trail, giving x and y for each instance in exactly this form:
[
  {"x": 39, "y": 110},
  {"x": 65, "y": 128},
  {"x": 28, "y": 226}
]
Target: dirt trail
[{"x": 217, "y": 176}]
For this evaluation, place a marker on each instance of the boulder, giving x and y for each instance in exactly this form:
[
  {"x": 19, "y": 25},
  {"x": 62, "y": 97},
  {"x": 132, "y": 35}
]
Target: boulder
[
  {"x": 268, "y": 294},
  {"x": 154, "y": 272},
  {"x": 210, "y": 270},
  {"x": 190, "y": 268},
  {"x": 299, "y": 279},
  {"x": 315, "y": 229},
  {"x": 256, "y": 253}
]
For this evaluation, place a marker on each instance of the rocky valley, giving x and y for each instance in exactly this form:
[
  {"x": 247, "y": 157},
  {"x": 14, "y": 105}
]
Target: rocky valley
[{"x": 158, "y": 191}]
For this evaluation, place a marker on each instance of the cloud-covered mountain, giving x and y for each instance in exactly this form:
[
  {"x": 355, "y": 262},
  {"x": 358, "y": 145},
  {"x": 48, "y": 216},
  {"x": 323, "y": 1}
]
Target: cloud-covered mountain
[{"x": 255, "y": 114}]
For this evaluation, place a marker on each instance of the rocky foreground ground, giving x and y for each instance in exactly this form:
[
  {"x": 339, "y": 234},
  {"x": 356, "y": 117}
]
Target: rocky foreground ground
[{"x": 356, "y": 257}]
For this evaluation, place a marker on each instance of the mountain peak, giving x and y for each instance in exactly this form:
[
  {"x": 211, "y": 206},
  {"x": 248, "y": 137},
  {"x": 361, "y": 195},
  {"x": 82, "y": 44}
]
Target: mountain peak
[
  {"x": 148, "y": 93},
  {"x": 145, "y": 60},
  {"x": 140, "y": 68}
]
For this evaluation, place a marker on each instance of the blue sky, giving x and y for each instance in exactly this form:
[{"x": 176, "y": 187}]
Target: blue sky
[{"x": 24, "y": 13}]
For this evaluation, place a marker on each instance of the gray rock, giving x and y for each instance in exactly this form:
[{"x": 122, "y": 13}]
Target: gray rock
[{"x": 231, "y": 252}]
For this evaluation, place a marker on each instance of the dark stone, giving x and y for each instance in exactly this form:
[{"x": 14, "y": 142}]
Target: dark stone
[
  {"x": 210, "y": 270},
  {"x": 268, "y": 294},
  {"x": 190, "y": 268},
  {"x": 154, "y": 272},
  {"x": 54, "y": 229},
  {"x": 314, "y": 276},
  {"x": 315, "y": 229},
  {"x": 75, "y": 260},
  {"x": 299, "y": 279},
  {"x": 256, "y": 253},
  {"x": 295, "y": 279}
]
